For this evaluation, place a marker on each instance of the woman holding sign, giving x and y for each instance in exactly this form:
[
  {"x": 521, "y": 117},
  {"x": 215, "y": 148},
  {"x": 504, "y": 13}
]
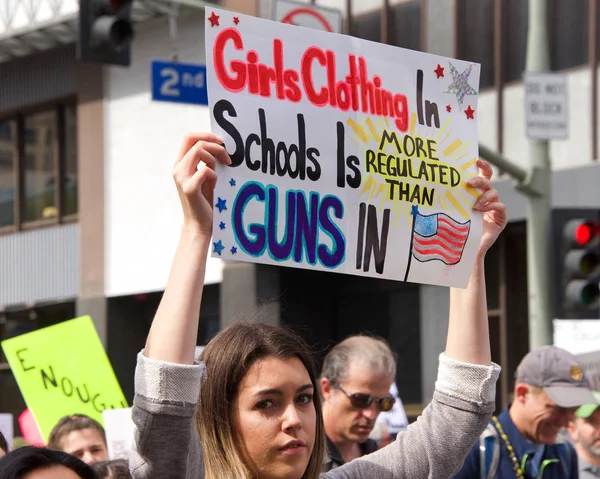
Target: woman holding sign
[{"x": 251, "y": 408}]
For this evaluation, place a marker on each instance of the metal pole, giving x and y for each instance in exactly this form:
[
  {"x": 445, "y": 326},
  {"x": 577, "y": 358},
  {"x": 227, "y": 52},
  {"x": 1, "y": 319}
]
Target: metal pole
[{"x": 539, "y": 208}]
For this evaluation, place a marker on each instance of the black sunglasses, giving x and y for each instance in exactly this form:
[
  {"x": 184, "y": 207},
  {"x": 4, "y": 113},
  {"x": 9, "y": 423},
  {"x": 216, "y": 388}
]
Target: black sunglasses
[{"x": 364, "y": 401}]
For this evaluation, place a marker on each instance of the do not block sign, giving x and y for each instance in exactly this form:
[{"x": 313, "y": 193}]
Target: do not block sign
[
  {"x": 63, "y": 370},
  {"x": 546, "y": 113}
]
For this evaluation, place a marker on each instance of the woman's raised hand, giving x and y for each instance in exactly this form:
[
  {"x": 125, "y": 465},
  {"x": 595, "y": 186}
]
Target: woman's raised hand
[
  {"x": 195, "y": 178},
  {"x": 494, "y": 211}
]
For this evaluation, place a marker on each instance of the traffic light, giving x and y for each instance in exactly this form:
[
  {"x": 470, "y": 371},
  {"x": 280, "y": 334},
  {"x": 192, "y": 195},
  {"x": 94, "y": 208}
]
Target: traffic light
[
  {"x": 105, "y": 31},
  {"x": 578, "y": 264}
]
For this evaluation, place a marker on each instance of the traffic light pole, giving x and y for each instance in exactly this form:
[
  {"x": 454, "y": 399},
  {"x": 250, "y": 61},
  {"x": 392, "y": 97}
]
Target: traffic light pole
[
  {"x": 539, "y": 207},
  {"x": 535, "y": 183}
]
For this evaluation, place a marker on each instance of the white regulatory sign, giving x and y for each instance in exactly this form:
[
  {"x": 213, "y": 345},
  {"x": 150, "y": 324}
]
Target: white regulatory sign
[
  {"x": 307, "y": 15},
  {"x": 546, "y": 113}
]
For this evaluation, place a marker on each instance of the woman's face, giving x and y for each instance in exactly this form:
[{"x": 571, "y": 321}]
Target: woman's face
[{"x": 276, "y": 418}]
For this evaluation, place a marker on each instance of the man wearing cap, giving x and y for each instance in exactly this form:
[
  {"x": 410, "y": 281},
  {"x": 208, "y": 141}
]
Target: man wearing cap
[
  {"x": 522, "y": 441},
  {"x": 584, "y": 430}
]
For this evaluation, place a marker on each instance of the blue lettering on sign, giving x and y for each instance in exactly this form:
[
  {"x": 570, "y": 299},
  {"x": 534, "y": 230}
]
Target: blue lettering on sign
[
  {"x": 179, "y": 82},
  {"x": 305, "y": 219}
]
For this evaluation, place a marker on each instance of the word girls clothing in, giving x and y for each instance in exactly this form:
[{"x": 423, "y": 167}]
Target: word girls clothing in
[{"x": 166, "y": 444}]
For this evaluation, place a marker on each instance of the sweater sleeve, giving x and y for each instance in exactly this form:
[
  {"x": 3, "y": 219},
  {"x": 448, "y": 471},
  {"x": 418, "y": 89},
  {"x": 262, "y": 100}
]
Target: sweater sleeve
[
  {"x": 165, "y": 444},
  {"x": 436, "y": 445}
]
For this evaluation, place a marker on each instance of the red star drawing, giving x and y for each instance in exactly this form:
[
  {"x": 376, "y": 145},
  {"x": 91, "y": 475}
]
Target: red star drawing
[
  {"x": 213, "y": 19},
  {"x": 236, "y": 20},
  {"x": 439, "y": 71},
  {"x": 448, "y": 108},
  {"x": 470, "y": 112}
]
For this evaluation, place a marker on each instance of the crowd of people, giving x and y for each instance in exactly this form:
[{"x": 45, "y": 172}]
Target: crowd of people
[{"x": 253, "y": 406}]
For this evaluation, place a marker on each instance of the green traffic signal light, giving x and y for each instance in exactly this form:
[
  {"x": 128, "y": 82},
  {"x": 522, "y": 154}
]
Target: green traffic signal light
[{"x": 583, "y": 292}]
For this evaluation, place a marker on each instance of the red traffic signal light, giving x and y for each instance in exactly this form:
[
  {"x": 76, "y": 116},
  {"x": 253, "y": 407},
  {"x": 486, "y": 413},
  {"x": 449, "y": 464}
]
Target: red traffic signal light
[
  {"x": 581, "y": 263},
  {"x": 582, "y": 232}
]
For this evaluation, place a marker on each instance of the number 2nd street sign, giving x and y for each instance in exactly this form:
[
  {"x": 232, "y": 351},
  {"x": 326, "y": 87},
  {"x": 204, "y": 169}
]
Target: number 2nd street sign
[{"x": 179, "y": 82}]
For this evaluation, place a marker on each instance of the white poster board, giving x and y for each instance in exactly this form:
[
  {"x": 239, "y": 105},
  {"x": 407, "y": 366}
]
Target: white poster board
[
  {"x": 7, "y": 428},
  {"x": 119, "y": 432},
  {"x": 348, "y": 156}
]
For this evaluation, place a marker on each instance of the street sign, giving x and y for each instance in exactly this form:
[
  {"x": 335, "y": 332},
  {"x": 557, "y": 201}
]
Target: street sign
[
  {"x": 578, "y": 336},
  {"x": 179, "y": 82},
  {"x": 546, "y": 112},
  {"x": 307, "y": 15}
]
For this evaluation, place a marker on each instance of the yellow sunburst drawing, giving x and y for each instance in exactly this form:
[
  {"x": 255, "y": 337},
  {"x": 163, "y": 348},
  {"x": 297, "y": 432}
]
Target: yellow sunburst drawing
[{"x": 450, "y": 150}]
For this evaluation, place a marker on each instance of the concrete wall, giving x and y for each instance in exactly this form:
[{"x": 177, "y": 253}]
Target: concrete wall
[{"x": 142, "y": 139}]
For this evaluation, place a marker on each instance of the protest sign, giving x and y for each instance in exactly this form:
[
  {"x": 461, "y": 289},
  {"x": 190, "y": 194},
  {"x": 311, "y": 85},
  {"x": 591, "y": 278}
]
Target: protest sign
[
  {"x": 63, "y": 370},
  {"x": 348, "y": 155},
  {"x": 118, "y": 426},
  {"x": 30, "y": 429},
  {"x": 6, "y": 427}
]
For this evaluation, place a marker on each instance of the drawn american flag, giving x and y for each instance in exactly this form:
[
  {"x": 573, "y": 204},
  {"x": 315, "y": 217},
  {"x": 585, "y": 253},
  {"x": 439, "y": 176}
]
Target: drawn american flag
[{"x": 438, "y": 237}]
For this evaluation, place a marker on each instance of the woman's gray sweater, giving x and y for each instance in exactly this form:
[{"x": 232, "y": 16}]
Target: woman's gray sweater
[{"x": 166, "y": 444}]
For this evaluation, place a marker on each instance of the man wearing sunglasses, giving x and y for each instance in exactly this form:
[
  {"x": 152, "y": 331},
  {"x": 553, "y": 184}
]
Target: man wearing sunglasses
[{"x": 355, "y": 382}]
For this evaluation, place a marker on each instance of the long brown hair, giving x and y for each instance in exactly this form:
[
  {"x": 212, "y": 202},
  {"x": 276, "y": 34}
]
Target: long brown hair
[{"x": 228, "y": 357}]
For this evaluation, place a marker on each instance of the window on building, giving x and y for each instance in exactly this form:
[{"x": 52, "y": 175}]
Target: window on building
[
  {"x": 515, "y": 17},
  {"x": 7, "y": 172},
  {"x": 70, "y": 171},
  {"x": 405, "y": 24},
  {"x": 475, "y": 36},
  {"x": 568, "y": 32},
  {"x": 38, "y": 167},
  {"x": 41, "y": 166},
  {"x": 367, "y": 25}
]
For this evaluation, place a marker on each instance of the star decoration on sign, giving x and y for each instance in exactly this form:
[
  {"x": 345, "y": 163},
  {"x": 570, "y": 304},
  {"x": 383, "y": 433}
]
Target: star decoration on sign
[
  {"x": 221, "y": 204},
  {"x": 236, "y": 20},
  {"x": 439, "y": 71},
  {"x": 214, "y": 20},
  {"x": 218, "y": 247},
  {"x": 222, "y": 225},
  {"x": 460, "y": 85},
  {"x": 233, "y": 250},
  {"x": 470, "y": 112},
  {"x": 448, "y": 108},
  {"x": 232, "y": 182}
]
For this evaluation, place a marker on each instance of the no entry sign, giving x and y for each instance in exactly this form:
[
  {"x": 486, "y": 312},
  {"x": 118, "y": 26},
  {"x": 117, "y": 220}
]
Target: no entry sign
[{"x": 307, "y": 15}]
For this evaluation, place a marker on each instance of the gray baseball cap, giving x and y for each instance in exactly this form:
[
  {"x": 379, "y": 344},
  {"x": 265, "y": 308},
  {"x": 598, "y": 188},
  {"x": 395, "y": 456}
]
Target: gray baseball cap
[{"x": 558, "y": 373}]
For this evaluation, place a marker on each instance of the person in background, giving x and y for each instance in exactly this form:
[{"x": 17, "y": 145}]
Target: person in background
[
  {"x": 3, "y": 445},
  {"x": 81, "y": 436},
  {"x": 116, "y": 469},
  {"x": 31, "y": 462},
  {"x": 355, "y": 380},
  {"x": 523, "y": 441},
  {"x": 584, "y": 430},
  {"x": 381, "y": 435},
  {"x": 395, "y": 419}
]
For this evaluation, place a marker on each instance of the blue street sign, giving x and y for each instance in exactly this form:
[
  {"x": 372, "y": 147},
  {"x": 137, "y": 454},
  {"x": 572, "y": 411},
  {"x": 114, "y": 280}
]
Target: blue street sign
[{"x": 179, "y": 82}]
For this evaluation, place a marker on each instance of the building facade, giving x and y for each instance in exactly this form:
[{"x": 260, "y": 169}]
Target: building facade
[{"x": 89, "y": 217}]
